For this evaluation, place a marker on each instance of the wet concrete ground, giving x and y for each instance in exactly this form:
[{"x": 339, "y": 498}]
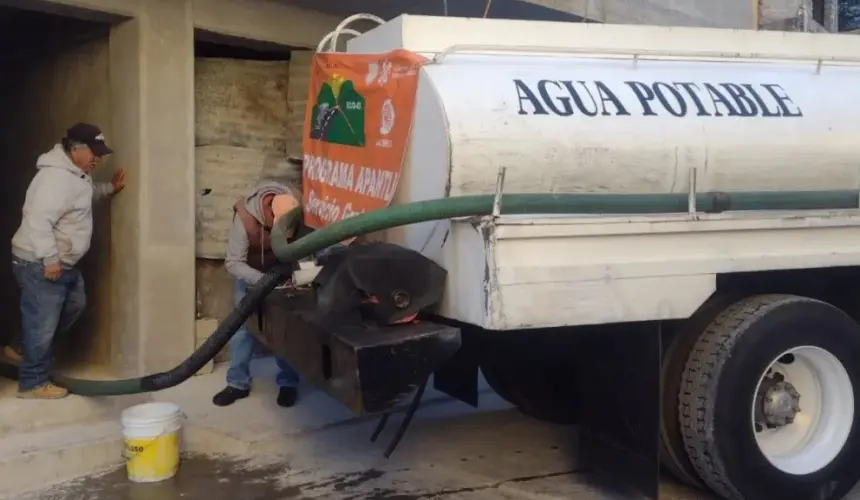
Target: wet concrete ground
[
  {"x": 221, "y": 478},
  {"x": 201, "y": 477},
  {"x": 318, "y": 451},
  {"x": 496, "y": 455}
]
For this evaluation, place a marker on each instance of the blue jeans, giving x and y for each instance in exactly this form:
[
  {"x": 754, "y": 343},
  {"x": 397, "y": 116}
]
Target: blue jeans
[
  {"x": 47, "y": 307},
  {"x": 242, "y": 347}
]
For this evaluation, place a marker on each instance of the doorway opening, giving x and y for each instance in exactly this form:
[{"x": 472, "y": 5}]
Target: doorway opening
[
  {"x": 249, "y": 109},
  {"x": 55, "y": 74}
]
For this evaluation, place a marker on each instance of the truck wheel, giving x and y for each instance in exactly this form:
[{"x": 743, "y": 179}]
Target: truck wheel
[
  {"x": 673, "y": 452},
  {"x": 768, "y": 405},
  {"x": 529, "y": 373},
  {"x": 543, "y": 398}
]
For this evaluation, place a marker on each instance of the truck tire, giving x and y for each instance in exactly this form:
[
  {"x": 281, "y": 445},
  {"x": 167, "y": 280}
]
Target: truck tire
[
  {"x": 526, "y": 372},
  {"x": 673, "y": 451},
  {"x": 769, "y": 401},
  {"x": 539, "y": 396}
]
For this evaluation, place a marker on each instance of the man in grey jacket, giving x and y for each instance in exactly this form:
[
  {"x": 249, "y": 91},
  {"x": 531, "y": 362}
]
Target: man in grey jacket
[
  {"x": 54, "y": 234},
  {"x": 249, "y": 255}
]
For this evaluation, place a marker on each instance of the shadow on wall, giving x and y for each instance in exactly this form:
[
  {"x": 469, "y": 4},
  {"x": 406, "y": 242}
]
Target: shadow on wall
[{"x": 55, "y": 73}]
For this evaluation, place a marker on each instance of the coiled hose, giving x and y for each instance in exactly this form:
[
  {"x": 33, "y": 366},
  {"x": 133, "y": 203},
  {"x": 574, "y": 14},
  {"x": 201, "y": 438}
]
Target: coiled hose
[{"x": 445, "y": 208}]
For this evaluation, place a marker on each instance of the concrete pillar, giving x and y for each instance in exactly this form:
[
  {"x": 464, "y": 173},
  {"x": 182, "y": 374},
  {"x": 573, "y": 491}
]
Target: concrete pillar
[
  {"x": 297, "y": 99},
  {"x": 152, "y": 80},
  {"x": 831, "y": 15}
]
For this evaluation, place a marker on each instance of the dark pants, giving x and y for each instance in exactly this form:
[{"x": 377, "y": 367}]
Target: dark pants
[{"x": 47, "y": 307}]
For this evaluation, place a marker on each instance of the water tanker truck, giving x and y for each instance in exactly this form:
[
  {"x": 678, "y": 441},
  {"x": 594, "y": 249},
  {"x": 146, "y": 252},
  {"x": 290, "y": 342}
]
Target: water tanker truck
[{"x": 692, "y": 306}]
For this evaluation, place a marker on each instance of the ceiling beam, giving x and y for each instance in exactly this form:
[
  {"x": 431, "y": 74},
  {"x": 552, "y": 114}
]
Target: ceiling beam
[{"x": 700, "y": 13}]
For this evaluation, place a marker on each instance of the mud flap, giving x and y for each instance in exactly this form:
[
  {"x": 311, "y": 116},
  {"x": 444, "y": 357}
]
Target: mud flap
[
  {"x": 620, "y": 426},
  {"x": 458, "y": 377}
]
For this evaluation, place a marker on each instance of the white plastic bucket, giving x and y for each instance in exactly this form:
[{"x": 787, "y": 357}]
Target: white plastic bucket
[{"x": 152, "y": 438}]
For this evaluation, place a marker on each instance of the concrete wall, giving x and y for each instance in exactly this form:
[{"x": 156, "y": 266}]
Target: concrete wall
[
  {"x": 40, "y": 101},
  {"x": 255, "y": 20},
  {"x": 152, "y": 86}
]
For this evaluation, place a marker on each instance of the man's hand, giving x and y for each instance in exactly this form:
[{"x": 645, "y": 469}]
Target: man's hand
[
  {"x": 288, "y": 283},
  {"x": 53, "y": 272},
  {"x": 118, "y": 180}
]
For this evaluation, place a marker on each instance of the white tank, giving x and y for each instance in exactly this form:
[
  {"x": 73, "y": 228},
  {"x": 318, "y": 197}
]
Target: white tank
[
  {"x": 573, "y": 124},
  {"x": 588, "y": 108},
  {"x": 591, "y": 108}
]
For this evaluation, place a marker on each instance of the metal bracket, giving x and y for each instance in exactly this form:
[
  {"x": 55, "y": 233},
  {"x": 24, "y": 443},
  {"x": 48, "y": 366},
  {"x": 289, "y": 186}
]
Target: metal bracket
[
  {"x": 858, "y": 188},
  {"x": 691, "y": 195},
  {"x": 636, "y": 55},
  {"x": 500, "y": 184}
]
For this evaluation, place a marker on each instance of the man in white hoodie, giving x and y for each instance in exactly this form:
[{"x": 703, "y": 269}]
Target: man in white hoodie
[{"x": 54, "y": 234}]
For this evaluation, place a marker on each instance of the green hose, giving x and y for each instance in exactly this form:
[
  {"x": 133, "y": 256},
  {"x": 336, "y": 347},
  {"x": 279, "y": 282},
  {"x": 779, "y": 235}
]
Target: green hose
[
  {"x": 512, "y": 204},
  {"x": 446, "y": 208}
]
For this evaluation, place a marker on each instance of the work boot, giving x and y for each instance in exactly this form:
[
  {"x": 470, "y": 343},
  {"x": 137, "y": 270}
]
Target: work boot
[
  {"x": 229, "y": 396},
  {"x": 44, "y": 391},
  {"x": 12, "y": 355},
  {"x": 287, "y": 396}
]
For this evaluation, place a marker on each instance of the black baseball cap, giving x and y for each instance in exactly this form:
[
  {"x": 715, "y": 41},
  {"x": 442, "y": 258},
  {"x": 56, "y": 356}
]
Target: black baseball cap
[{"x": 90, "y": 135}]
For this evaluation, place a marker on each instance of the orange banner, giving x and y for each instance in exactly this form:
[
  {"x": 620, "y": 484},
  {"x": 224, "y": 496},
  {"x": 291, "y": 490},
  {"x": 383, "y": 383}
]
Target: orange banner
[{"x": 357, "y": 125}]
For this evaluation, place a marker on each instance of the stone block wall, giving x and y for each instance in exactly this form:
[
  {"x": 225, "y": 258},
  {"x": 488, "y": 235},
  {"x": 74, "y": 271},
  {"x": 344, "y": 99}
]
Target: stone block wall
[{"x": 248, "y": 117}]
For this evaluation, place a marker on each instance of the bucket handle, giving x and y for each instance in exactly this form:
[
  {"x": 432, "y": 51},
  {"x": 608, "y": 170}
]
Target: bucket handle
[{"x": 129, "y": 457}]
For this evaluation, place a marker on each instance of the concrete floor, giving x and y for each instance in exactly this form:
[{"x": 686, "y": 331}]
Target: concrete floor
[
  {"x": 221, "y": 478},
  {"x": 319, "y": 451}
]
